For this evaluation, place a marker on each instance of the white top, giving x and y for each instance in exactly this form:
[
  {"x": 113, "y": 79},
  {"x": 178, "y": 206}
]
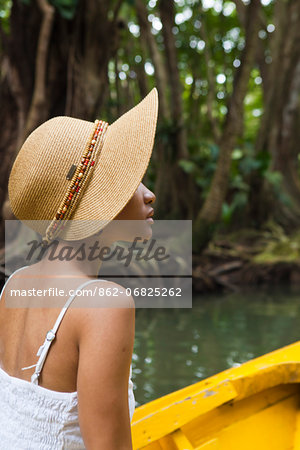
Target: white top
[{"x": 35, "y": 418}]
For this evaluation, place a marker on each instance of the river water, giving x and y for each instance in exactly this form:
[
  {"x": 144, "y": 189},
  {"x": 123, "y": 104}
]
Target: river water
[{"x": 177, "y": 347}]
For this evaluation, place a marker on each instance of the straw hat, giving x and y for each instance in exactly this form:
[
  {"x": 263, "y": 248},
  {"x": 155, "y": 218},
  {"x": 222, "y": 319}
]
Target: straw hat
[{"x": 38, "y": 182}]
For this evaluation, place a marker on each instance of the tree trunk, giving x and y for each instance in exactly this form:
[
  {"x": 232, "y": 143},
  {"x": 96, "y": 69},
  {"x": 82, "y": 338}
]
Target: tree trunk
[
  {"x": 211, "y": 78},
  {"x": 38, "y": 112},
  {"x": 173, "y": 186},
  {"x": 18, "y": 60},
  {"x": 167, "y": 12},
  {"x": 278, "y": 131},
  {"x": 211, "y": 210},
  {"x": 95, "y": 46},
  {"x": 148, "y": 42},
  {"x": 242, "y": 12}
]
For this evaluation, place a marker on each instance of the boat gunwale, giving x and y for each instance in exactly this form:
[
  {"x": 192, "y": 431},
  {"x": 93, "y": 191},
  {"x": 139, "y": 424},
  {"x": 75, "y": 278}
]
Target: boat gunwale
[{"x": 279, "y": 367}]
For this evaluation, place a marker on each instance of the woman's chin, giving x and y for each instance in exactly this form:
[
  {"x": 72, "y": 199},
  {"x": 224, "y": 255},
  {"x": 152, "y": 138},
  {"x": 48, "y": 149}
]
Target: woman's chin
[
  {"x": 129, "y": 230},
  {"x": 143, "y": 230},
  {"x": 148, "y": 235}
]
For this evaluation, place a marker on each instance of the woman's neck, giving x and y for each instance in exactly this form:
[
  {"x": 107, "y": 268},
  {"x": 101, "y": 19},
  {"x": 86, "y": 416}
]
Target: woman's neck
[{"x": 74, "y": 259}]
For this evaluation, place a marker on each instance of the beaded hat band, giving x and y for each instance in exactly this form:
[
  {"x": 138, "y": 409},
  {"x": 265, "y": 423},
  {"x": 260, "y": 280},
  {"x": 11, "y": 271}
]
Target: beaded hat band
[{"x": 78, "y": 181}]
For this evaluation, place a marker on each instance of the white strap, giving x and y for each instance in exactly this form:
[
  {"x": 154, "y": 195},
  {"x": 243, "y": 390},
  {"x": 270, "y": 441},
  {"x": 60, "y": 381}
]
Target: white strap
[
  {"x": 10, "y": 278},
  {"x": 50, "y": 336}
]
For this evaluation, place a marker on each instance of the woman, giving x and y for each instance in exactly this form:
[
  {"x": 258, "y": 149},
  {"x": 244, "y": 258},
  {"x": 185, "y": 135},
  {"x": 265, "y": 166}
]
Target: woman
[{"x": 72, "y": 180}]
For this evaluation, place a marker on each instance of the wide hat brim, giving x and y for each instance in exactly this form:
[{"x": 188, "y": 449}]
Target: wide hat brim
[{"x": 38, "y": 181}]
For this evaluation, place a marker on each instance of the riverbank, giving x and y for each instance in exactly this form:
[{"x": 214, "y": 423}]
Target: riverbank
[{"x": 248, "y": 258}]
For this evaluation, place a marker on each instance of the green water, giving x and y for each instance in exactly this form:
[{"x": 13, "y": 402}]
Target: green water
[{"x": 174, "y": 348}]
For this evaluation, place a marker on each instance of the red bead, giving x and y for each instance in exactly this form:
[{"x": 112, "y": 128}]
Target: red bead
[
  {"x": 92, "y": 163},
  {"x": 77, "y": 189}
]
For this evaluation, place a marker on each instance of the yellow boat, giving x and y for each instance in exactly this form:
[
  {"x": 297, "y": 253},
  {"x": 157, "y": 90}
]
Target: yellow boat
[{"x": 255, "y": 406}]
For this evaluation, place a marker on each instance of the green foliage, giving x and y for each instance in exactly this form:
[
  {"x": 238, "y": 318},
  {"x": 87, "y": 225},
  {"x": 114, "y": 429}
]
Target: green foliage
[
  {"x": 130, "y": 2},
  {"x": 239, "y": 196},
  {"x": 239, "y": 201},
  {"x": 187, "y": 166},
  {"x": 253, "y": 106},
  {"x": 202, "y": 164},
  {"x": 66, "y": 8},
  {"x": 5, "y": 8},
  {"x": 215, "y": 30},
  {"x": 280, "y": 247},
  {"x": 244, "y": 163},
  {"x": 275, "y": 180}
]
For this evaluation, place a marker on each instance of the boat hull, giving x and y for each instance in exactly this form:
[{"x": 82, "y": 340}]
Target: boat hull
[{"x": 253, "y": 406}]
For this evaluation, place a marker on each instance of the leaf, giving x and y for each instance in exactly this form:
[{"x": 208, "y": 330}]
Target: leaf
[
  {"x": 240, "y": 199},
  {"x": 248, "y": 164},
  {"x": 273, "y": 177},
  {"x": 187, "y": 165},
  {"x": 66, "y": 8},
  {"x": 227, "y": 211},
  {"x": 237, "y": 153}
]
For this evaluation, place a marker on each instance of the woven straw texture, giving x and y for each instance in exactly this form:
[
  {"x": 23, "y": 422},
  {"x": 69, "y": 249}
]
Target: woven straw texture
[{"x": 38, "y": 183}]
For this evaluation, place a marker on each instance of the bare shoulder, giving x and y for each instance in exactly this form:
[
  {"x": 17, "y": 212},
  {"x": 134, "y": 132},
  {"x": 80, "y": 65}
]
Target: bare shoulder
[{"x": 105, "y": 305}]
